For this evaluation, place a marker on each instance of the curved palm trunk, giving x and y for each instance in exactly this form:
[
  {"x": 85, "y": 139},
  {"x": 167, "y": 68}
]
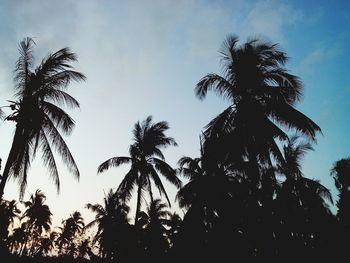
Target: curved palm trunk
[{"x": 9, "y": 161}]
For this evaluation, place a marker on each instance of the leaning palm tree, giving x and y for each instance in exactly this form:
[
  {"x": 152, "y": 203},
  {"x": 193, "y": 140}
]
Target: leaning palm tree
[
  {"x": 146, "y": 160},
  {"x": 262, "y": 96},
  {"x": 39, "y": 119}
]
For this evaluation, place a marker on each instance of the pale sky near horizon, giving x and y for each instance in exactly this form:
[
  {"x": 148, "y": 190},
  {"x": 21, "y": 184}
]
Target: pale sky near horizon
[{"x": 145, "y": 57}]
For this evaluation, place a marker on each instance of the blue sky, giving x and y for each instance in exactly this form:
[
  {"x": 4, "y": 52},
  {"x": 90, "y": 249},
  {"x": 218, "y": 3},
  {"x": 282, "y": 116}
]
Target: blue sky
[{"x": 144, "y": 58}]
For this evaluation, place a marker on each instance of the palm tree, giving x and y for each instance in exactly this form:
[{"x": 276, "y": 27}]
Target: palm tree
[
  {"x": 38, "y": 214},
  {"x": 341, "y": 175},
  {"x": 18, "y": 238},
  {"x": 112, "y": 222},
  {"x": 175, "y": 223},
  {"x": 146, "y": 160},
  {"x": 8, "y": 213},
  {"x": 156, "y": 216},
  {"x": 301, "y": 208},
  {"x": 291, "y": 168},
  {"x": 72, "y": 226},
  {"x": 262, "y": 96},
  {"x": 153, "y": 223},
  {"x": 39, "y": 119},
  {"x": 47, "y": 244},
  {"x": 84, "y": 248}
]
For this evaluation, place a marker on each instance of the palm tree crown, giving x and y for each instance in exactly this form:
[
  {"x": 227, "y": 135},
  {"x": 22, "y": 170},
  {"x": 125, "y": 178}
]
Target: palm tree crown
[
  {"x": 112, "y": 221},
  {"x": 146, "y": 160},
  {"x": 38, "y": 214},
  {"x": 262, "y": 95}
]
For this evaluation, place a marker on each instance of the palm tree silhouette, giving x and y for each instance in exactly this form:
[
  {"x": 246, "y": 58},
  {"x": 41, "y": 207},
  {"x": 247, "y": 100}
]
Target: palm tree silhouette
[
  {"x": 47, "y": 244},
  {"x": 19, "y": 238},
  {"x": 174, "y": 223},
  {"x": 112, "y": 221},
  {"x": 8, "y": 213},
  {"x": 84, "y": 248},
  {"x": 262, "y": 95},
  {"x": 72, "y": 226},
  {"x": 39, "y": 119},
  {"x": 341, "y": 175},
  {"x": 301, "y": 206},
  {"x": 153, "y": 223},
  {"x": 146, "y": 160},
  {"x": 38, "y": 214},
  {"x": 39, "y": 218}
]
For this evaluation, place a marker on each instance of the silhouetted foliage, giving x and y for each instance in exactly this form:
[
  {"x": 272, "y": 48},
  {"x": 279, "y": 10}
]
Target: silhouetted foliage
[
  {"x": 147, "y": 160},
  {"x": 39, "y": 119},
  {"x": 245, "y": 198}
]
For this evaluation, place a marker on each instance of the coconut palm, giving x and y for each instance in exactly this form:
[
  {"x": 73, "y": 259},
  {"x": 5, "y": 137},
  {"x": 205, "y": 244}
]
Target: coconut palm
[
  {"x": 84, "y": 248},
  {"x": 72, "y": 227},
  {"x": 8, "y": 213},
  {"x": 262, "y": 96},
  {"x": 301, "y": 204},
  {"x": 47, "y": 244},
  {"x": 112, "y": 223},
  {"x": 153, "y": 223},
  {"x": 19, "y": 238},
  {"x": 295, "y": 180},
  {"x": 174, "y": 223},
  {"x": 39, "y": 119},
  {"x": 156, "y": 216},
  {"x": 341, "y": 175},
  {"x": 147, "y": 160},
  {"x": 38, "y": 213}
]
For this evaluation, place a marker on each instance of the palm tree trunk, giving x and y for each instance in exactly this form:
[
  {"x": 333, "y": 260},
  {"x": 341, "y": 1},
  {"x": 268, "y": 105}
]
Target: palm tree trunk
[
  {"x": 9, "y": 162},
  {"x": 138, "y": 204},
  {"x": 6, "y": 173}
]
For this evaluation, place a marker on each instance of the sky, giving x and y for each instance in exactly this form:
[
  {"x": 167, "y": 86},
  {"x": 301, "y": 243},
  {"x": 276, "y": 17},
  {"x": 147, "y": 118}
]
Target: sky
[{"x": 145, "y": 57}]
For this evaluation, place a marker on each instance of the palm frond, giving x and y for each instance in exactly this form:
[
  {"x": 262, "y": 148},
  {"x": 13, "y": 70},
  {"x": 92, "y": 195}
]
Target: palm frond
[
  {"x": 167, "y": 171},
  {"x": 113, "y": 162}
]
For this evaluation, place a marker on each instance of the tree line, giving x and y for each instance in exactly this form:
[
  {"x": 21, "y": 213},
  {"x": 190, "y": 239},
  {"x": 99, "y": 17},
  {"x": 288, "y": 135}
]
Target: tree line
[{"x": 246, "y": 197}]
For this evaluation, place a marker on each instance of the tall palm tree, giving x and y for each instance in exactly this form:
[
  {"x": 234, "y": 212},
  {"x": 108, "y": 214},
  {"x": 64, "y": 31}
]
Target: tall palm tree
[
  {"x": 146, "y": 160},
  {"x": 112, "y": 221},
  {"x": 262, "y": 96},
  {"x": 38, "y": 213},
  {"x": 38, "y": 116}
]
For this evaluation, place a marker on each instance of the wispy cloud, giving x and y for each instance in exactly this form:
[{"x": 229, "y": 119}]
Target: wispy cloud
[{"x": 270, "y": 18}]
